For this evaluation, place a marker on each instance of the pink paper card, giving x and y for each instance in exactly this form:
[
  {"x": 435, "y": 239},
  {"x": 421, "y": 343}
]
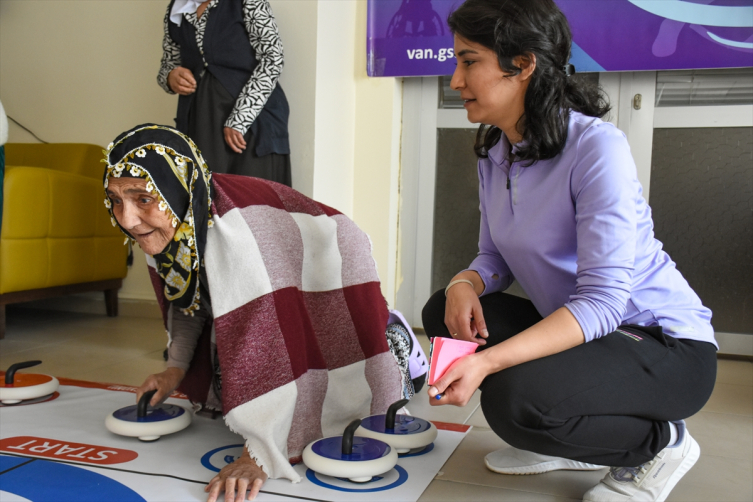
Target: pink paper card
[{"x": 444, "y": 352}]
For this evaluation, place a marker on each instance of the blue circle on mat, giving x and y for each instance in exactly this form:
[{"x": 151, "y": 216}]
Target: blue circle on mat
[
  {"x": 402, "y": 478},
  {"x": 364, "y": 449},
  {"x": 404, "y": 424},
  {"x": 39, "y": 480},
  {"x": 158, "y": 414},
  {"x": 206, "y": 460}
]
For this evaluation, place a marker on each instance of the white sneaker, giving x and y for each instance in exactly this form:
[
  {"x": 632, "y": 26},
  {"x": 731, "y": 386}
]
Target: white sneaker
[
  {"x": 652, "y": 481},
  {"x": 514, "y": 461}
]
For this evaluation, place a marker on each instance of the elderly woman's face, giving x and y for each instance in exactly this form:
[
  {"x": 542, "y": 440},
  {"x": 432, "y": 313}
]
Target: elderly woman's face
[{"x": 137, "y": 210}]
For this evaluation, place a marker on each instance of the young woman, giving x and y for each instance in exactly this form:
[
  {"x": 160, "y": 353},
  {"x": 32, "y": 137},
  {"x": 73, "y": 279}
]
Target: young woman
[{"x": 614, "y": 349}]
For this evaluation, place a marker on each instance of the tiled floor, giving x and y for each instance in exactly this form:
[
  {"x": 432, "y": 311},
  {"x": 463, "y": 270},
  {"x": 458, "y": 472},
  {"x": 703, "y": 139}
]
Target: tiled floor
[{"x": 126, "y": 349}]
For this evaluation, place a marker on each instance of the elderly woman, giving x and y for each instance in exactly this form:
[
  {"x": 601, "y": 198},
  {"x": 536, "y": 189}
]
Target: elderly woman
[{"x": 271, "y": 302}]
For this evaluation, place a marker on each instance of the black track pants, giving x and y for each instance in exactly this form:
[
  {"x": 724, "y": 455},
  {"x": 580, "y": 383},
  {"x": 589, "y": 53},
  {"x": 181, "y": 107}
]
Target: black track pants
[{"x": 605, "y": 402}]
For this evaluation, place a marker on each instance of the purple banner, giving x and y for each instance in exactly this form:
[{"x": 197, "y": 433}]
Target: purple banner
[{"x": 411, "y": 37}]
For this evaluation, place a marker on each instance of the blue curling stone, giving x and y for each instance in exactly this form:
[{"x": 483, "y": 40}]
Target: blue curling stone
[
  {"x": 159, "y": 414},
  {"x": 364, "y": 449},
  {"x": 404, "y": 424}
]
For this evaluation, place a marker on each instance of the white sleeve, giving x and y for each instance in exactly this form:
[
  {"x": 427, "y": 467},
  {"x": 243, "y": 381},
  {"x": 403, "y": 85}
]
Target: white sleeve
[{"x": 265, "y": 40}]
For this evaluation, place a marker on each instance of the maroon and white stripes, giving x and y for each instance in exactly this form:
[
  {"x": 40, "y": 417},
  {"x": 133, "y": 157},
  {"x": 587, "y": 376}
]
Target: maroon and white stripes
[{"x": 299, "y": 319}]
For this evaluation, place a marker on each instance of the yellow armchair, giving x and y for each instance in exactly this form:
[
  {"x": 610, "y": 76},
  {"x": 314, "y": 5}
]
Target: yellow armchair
[{"x": 56, "y": 237}]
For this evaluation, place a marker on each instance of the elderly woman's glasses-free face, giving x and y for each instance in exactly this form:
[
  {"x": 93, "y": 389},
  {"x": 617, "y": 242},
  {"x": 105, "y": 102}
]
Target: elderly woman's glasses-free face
[{"x": 138, "y": 212}]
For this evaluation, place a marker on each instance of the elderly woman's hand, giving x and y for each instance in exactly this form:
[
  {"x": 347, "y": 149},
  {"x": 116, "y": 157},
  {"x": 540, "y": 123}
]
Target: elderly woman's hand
[
  {"x": 164, "y": 383},
  {"x": 234, "y": 140},
  {"x": 181, "y": 81},
  {"x": 236, "y": 478}
]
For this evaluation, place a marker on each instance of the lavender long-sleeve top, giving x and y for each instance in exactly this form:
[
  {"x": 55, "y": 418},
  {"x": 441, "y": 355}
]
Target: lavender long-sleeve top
[{"x": 575, "y": 231}]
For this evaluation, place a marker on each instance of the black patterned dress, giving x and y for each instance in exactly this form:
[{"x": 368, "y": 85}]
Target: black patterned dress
[{"x": 212, "y": 107}]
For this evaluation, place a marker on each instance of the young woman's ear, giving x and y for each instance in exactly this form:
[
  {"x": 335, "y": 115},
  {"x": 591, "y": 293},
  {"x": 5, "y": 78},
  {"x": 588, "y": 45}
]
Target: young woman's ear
[{"x": 526, "y": 63}]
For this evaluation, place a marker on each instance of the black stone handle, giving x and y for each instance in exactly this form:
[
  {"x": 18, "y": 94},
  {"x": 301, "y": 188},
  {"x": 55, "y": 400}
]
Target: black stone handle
[
  {"x": 348, "y": 433},
  {"x": 144, "y": 402},
  {"x": 15, "y": 367},
  {"x": 389, "y": 418}
]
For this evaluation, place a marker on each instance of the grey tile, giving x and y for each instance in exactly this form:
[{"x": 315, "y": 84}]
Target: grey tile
[
  {"x": 41, "y": 326},
  {"x": 730, "y": 398},
  {"x": 70, "y": 360},
  {"x": 143, "y": 338},
  {"x": 466, "y": 465},
  {"x": 450, "y": 491},
  {"x": 131, "y": 372},
  {"x": 11, "y": 346},
  {"x": 76, "y": 345},
  {"x": 478, "y": 419},
  {"x": 715, "y": 479},
  {"x": 723, "y": 435},
  {"x": 734, "y": 372}
]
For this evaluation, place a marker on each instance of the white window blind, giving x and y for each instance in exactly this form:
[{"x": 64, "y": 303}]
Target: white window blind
[{"x": 704, "y": 87}]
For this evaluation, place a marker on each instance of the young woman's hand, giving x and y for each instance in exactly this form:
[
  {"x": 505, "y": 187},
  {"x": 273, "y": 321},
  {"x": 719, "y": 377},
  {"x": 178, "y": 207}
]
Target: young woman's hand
[
  {"x": 235, "y": 479},
  {"x": 463, "y": 315},
  {"x": 181, "y": 81},
  {"x": 459, "y": 383},
  {"x": 164, "y": 383}
]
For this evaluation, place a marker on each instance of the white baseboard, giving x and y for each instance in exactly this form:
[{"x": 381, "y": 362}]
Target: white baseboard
[
  {"x": 88, "y": 303},
  {"x": 735, "y": 343}
]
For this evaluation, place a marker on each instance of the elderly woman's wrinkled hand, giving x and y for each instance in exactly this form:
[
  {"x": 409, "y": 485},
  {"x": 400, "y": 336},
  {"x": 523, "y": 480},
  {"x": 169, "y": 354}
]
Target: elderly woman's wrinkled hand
[
  {"x": 164, "y": 383},
  {"x": 181, "y": 81},
  {"x": 237, "y": 478},
  {"x": 234, "y": 140}
]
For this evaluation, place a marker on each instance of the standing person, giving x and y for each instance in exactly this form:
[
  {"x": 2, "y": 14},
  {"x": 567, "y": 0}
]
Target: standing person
[
  {"x": 614, "y": 349},
  {"x": 224, "y": 58}
]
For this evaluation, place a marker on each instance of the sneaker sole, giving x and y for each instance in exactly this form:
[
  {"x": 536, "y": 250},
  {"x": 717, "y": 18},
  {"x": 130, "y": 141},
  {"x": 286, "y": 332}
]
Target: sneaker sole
[
  {"x": 545, "y": 467},
  {"x": 693, "y": 455}
]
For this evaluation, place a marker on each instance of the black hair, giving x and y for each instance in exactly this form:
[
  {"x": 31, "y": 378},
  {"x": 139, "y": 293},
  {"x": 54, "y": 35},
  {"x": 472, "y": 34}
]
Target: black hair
[{"x": 514, "y": 28}]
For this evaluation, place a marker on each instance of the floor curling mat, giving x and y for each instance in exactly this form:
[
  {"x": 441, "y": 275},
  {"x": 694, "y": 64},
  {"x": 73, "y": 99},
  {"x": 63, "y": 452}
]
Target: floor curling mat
[{"x": 59, "y": 450}]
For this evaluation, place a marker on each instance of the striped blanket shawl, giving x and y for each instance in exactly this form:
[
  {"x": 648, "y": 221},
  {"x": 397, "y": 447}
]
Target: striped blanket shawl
[{"x": 299, "y": 321}]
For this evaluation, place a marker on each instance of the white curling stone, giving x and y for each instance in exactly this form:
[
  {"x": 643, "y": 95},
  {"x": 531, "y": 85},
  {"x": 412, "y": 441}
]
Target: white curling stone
[
  {"x": 409, "y": 432},
  {"x": 369, "y": 458},
  {"x": 28, "y": 386},
  {"x": 159, "y": 421}
]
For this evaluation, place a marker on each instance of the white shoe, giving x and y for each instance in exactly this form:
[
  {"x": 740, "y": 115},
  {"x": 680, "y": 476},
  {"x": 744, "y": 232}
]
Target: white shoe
[
  {"x": 652, "y": 481},
  {"x": 514, "y": 461}
]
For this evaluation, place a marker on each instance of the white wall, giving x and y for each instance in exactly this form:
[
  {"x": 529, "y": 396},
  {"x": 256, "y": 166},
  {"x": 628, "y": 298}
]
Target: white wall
[
  {"x": 297, "y": 22},
  {"x": 84, "y": 71},
  {"x": 334, "y": 124},
  {"x": 376, "y": 181}
]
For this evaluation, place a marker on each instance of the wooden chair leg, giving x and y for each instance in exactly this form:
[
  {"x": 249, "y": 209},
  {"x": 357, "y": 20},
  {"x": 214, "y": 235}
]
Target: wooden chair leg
[{"x": 111, "y": 302}]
